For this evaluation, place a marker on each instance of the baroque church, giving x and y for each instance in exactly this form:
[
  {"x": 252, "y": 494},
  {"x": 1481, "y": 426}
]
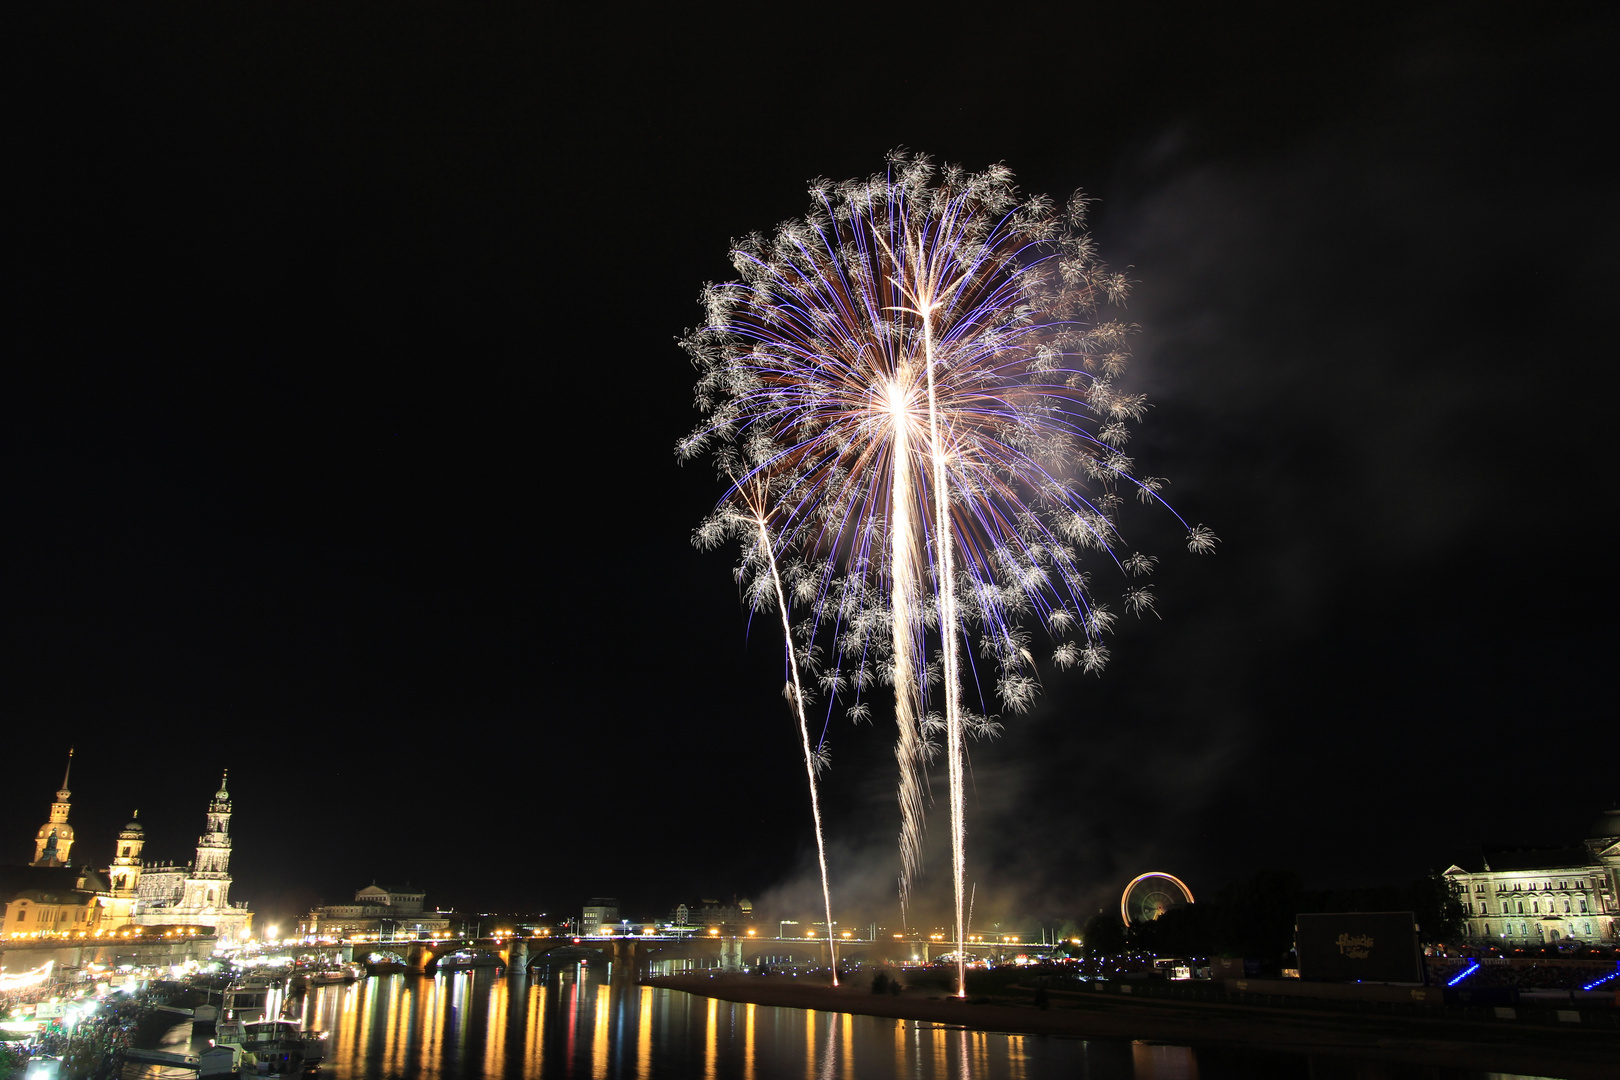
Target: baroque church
[{"x": 50, "y": 896}]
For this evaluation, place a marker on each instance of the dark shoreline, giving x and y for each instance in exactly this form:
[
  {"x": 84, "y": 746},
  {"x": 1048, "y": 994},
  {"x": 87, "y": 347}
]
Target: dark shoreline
[{"x": 1570, "y": 1053}]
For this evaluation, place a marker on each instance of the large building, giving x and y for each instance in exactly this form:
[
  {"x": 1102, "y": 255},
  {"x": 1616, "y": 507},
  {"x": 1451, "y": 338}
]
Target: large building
[
  {"x": 378, "y": 913},
  {"x": 43, "y": 901},
  {"x": 50, "y": 896},
  {"x": 197, "y": 894},
  {"x": 601, "y": 916},
  {"x": 1543, "y": 896}
]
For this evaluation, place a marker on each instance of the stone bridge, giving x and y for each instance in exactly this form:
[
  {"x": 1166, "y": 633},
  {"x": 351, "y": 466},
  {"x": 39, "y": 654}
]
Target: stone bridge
[{"x": 636, "y": 957}]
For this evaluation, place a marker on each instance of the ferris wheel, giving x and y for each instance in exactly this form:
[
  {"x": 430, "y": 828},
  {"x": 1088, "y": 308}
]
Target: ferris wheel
[{"x": 1150, "y": 895}]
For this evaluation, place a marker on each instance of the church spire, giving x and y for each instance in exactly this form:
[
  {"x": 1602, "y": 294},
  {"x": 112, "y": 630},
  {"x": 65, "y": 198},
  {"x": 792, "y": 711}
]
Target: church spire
[{"x": 54, "y": 841}]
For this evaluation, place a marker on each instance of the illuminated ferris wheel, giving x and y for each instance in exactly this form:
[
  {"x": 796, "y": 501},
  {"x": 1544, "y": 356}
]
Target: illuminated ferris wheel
[{"x": 1150, "y": 895}]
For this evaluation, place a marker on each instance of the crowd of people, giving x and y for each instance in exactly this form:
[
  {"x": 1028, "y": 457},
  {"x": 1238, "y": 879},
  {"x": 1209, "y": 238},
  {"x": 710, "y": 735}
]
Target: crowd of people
[
  {"x": 91, "y": 1049},
  {"x": 1525, "y": 974}
]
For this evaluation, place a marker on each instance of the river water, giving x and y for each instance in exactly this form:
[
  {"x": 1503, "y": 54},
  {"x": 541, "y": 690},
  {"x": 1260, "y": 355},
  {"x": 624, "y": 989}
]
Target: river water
[{"x": 575, "y": 1024}]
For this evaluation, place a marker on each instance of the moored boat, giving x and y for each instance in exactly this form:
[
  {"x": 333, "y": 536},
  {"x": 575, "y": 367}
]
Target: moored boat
[
  {"x": 280, "y": 1046},
  {"x": 227, "y": 1061},
  {"x": 341, "y": 973}
]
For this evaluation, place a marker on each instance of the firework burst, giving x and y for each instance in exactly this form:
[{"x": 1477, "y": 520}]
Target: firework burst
[{"x": 917, "y": 374}]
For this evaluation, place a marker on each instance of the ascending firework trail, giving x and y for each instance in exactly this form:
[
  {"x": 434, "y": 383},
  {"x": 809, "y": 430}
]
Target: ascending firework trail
[
  {"x": 916, "y": 378},
  {"x": 746, "y": 516}
]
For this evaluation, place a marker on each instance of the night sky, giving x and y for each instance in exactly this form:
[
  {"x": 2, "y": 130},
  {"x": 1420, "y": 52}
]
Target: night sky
[{"x": 343, "y": 390}]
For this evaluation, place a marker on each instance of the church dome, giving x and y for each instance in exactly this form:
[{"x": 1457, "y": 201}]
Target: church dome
[
  {"x": 133, "y": 830},
  {"x": 1606, "y": 825}
]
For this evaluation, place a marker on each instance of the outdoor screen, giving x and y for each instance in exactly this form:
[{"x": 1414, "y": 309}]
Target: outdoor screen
[{"x": 1373, "y": 946}]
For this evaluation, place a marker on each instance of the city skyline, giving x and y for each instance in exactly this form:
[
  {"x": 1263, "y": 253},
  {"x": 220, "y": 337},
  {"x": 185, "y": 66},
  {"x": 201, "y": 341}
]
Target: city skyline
[{"x": 343, "y": 459}]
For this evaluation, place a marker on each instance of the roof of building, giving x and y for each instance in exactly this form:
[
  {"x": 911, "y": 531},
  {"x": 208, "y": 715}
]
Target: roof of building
[
  {"x": 1539, "y": 858},
  {"x": 54, "y": 880},
  {"x": 1607, "y": 824}
]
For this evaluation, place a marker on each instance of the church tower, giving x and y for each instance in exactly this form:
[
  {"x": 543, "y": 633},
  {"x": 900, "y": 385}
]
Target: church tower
[
  {"x": 126, "y": 868},
  {"x": 210, "y": 880},
  {"x": 55, "y": 838}
]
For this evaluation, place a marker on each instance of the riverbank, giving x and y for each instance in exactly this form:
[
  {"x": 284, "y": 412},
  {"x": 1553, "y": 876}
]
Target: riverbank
[
  {"x": 94, "y": 1049},
  {"x": 1569, "y": 1053}
]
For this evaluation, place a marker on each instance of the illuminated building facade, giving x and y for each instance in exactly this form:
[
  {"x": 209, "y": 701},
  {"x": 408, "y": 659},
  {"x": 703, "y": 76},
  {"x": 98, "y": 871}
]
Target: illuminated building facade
[
  {"x": 600, "y": 916},
  {"x": 198, "y": 894},
  {"x": 378, "y": 912},
  {"x": 1543, "y": 896},
  {"x": 713, "y": 913},
  {"x": 54, "y": 841},
  {"x": 40, "y": 901},
  {"x": 50, "y": 896}
]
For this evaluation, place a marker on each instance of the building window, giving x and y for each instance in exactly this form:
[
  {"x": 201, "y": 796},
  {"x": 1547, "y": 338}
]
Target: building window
[
  {"x": 1535, "y": 907},
  {"x": 1521, "y": 907}
]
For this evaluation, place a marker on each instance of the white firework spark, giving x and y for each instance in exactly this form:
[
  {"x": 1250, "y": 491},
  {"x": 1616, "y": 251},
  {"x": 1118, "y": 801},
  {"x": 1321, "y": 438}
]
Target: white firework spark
[{"x": 916, "y": 377}]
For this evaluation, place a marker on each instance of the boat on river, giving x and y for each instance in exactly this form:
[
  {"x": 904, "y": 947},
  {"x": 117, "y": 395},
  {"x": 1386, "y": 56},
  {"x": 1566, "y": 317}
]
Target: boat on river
[
  {"x": 247, "y": 999},
  {"x": 227, "y": 1062},
  {"x": 279, "y": 1047},
  {"x": 341, "y": 973},
  {"x": 466, "y": 961}
]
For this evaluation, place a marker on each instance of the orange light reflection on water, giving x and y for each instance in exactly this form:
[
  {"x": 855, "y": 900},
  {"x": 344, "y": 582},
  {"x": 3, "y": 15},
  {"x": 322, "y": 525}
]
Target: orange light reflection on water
[
  {"x": 809, "y": 1044},
  {"x": 644, "y": 1011},
  {"x": 495, "y": 1023},
  {"x": 397, "y": 1021},
  {"x": 599, "y": 1036},
  {"x": 535, "y": 1032},
  {"x": 395, "y": 1026},
  {"x": 711, "y": 1039},
  {"x": 748, "y": 1042}
]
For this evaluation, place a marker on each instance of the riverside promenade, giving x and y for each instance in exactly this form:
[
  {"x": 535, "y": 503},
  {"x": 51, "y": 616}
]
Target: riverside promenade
[
  {"x": 1573, "y": 1051},
  {"x": 94, "y": 1049}
]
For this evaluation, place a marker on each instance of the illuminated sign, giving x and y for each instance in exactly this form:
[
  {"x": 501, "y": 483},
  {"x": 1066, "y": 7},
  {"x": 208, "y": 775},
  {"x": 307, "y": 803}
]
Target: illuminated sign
[{"x": 1358, "y": 946}]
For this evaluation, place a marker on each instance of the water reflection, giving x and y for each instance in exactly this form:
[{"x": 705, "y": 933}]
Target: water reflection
[{"x": 575, "y": 1023}]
